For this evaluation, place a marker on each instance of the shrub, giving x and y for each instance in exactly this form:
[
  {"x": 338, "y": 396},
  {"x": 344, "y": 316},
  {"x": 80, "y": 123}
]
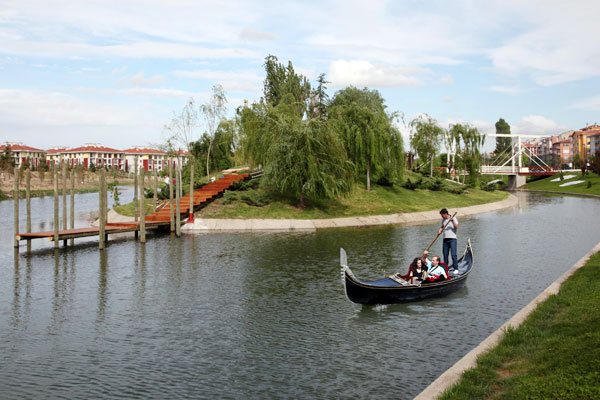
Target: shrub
[
  {"x": 247, "y": 185},
  {"x": 487, "y": 187},
  {"x": 436, "y": 184},
  {"x": 412, "y": 185},
  {"x": 229, "y": 197},
  {"x": 254, "y": 198},
  {"x": 589, "y": 184}
]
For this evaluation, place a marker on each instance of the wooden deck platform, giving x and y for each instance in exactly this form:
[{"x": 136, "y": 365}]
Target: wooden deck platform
[{"x": 159, "y": 218}]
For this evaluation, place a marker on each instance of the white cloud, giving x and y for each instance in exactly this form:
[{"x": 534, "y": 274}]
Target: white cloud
[
  {"x": 242, "y": 81},
  {"x": 447, "y": 79},
  {"x": 555, "y": 44},
  {"x": 24, "y": 107},
  {"x": 537, "y": 125},
  {"x": 253, "y": 35},
  {"x": 361, "y": 73},
  {"x": 447, "y": 99},
  {"x": 140, "y": 79},
  {"x": 140, "y": 49},
  {"x": 152, "y": 92},
  {"x": 512, "y": 90},
  {"x": 589, "y": 104}
]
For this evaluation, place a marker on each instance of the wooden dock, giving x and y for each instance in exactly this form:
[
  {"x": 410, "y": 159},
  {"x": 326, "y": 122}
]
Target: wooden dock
[{"x": 161, "y": 218}]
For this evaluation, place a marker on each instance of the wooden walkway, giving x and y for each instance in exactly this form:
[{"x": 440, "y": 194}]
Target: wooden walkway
[{"x": 159, "y": 218}]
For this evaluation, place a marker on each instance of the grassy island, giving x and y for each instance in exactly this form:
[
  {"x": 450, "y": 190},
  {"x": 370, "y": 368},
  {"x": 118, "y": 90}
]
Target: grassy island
[
  {"x": 554, "y": 354},
  {"x": 553, "y": 183},
  {"x": 380, "y": 200}
]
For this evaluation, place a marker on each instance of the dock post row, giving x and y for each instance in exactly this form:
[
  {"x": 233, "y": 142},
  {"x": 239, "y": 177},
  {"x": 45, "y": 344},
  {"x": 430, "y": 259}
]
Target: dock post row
[{"x": 159, "y": 217}]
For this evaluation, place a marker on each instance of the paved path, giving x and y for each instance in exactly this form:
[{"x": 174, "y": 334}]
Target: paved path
[{"x": 214, "y": 224}]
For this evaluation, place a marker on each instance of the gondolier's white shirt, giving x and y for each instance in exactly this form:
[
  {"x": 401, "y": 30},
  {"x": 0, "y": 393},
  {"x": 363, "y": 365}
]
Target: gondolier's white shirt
[{"x": 450, "y": 231}]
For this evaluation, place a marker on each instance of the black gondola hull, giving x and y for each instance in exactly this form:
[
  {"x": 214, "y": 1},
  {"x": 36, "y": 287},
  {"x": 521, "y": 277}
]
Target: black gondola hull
[
  {"x": 365, "y": 294},
  {"x": 387, "y": 291}
]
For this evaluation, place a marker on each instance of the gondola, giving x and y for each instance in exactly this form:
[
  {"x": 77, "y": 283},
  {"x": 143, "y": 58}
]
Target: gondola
[{"x": 391, "y": 291}]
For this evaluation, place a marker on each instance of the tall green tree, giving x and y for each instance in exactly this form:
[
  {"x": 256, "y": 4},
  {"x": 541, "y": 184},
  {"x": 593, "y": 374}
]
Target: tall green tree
[
  {"x": 222, "y": 146},
  {"x": 297, "y": 149},
  {"x": 319, "y": 98},
  {"x": 503, "y": 144},
  {"x": 305, "y": 158},
  {"x": 6, "y": 158},
  {"x": 579, "y": 162},
  {"x": 282, "y": 81},
  {"x": 595, "y": 162},
  {"x": 370, "y": 138},
  {"x": 467, "y": 142},
  {"x": 425, "y": 138},
  {"x": 214, "y": 113}
]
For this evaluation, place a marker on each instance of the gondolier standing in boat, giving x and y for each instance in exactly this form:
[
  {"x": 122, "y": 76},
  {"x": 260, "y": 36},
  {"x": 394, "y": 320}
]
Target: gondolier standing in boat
[{"x": 449, "y": 242}]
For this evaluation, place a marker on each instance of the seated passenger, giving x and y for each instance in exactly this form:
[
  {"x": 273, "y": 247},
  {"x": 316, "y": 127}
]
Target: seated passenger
[
  {"x": 437, "y": 272},
  {"x": 418, "y": 271}
]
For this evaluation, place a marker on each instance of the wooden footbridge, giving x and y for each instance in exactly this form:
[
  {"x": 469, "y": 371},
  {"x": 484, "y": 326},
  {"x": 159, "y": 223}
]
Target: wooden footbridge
[{"x": 161, "y": 218}]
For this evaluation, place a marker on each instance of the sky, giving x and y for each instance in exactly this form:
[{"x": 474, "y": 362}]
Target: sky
[{"x": 115, "y": 72}]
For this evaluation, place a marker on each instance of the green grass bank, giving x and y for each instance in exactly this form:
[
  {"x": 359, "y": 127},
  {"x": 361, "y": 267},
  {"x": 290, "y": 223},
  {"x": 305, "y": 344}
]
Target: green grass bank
[
  {"x": 554, "y": 354},
  {"x": 546, "y": 184},
  {"x": 380, "y": 200}
]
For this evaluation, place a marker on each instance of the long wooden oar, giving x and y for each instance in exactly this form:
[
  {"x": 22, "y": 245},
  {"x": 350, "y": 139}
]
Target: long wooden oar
[{"x": 438, "y": 235}]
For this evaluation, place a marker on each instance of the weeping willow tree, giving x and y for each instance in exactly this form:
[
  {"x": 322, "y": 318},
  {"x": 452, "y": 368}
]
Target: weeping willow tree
[
  {"x": 425, "y": 138},
  {"x": 305, "y": 158},
  {"x": 468, "y": 142},
  {"x": 370, "y": 138},
  {"x": 300, "y": 155}
]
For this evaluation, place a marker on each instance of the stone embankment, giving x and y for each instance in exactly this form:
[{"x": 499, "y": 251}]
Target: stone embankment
[{"x": 216, "y": 225}]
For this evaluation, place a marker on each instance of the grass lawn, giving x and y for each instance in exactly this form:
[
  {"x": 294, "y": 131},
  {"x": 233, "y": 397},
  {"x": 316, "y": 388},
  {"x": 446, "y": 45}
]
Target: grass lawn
[
  {"x": 554, "y": 354},
  {"x": 379, "y": 201},
  {"x": 546, "y": 184},
  {"x": 129, "y": 208}
]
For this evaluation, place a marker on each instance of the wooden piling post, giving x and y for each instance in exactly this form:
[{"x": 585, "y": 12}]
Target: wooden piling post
[
  {"x": 64, "y": 199},
  {"x": 155, "y": 199},
  {"x": 101, "y": 213},
  {"x": 28, "y": 205},
  {"x": 142, "y": 208},
  {"x": 135, "y": 194},
  {"x": 177, "y": 207},
  {"x": 16, "y": 199},
  {"x": 105, "y": 207},
  {"x": 135, "y": 188},
  {"x": 72, "y": 214},
  {"x": 56, "y": 219},
  {"x": 171, "y": 209},
  {"x": 191, "y": 214}
]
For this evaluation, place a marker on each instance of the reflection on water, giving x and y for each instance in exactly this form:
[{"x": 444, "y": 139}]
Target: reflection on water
[{"x": 187, "y": 317}]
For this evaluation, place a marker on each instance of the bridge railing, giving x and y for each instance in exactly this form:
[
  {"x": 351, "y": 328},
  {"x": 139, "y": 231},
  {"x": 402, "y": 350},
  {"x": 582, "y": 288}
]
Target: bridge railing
[
  {"x": 510, "y": 170},
  {"x": 505, "y": 170}
]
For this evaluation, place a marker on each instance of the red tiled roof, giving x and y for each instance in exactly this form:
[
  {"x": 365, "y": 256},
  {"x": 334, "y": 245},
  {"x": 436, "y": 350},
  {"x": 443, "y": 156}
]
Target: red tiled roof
[
  {"x": 19, "y": 147},
  {"x": 56, "y": 150},
  {"x": 93, "y": 148},
  {"x": 143, "y": 150}
]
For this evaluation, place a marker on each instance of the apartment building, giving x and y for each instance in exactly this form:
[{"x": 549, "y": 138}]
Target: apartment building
[
  {"x": 22, "y": 154},
  {"x": 54, "y": 155},
  {"x": 148, "y": 158},
  {"x": 586, "y": 141},
  {"x": 93, "y": 154}
]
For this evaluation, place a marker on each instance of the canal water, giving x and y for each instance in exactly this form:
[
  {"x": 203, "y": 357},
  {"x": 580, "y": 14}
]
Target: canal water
[{"x": 263, "y": 315}]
